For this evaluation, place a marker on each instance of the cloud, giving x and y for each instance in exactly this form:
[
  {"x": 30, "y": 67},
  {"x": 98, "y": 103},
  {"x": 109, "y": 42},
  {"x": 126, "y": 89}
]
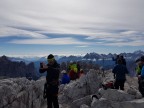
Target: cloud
[
  {"x": 98, "y": 22},
  {"x": 54, "y": 41},
  {"x": 11, "y": 31},
  {"x": 135, "y": 43}
]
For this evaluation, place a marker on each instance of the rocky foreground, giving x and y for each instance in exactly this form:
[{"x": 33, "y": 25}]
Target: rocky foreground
[{"x": 22, "y": 93}]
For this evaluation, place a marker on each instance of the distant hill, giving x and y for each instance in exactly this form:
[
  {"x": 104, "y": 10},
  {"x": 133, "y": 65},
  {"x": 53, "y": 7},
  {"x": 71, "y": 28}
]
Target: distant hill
[{"x": 14, "y": 69}]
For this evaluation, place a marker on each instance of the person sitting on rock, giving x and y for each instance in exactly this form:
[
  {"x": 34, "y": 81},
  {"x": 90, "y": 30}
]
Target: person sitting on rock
[{"x": 65, "y": 77}]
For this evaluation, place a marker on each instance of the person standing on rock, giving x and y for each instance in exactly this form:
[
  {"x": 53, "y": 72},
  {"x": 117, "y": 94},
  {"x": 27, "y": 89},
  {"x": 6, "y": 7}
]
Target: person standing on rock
[
  {"x": 52, "y": 81},
  {"x": 120, "y": 71},
  {"x": 141, "y": 77}
]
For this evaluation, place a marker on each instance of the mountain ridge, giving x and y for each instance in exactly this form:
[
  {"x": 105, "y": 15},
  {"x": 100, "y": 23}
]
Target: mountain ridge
[{"x": 90, "y": 56}]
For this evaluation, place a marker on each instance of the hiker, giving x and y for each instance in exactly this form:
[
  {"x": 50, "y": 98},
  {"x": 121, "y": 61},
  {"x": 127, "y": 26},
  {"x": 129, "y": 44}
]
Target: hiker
[
  {"x": 139, "y": 67},
  {"x": 141, "y": 77},
  {"x": 65, "y": 78},
  {"x": 120, "y": 72},
  {"x": 52, "y": 81},
  {"x": 73, "y": 73}
]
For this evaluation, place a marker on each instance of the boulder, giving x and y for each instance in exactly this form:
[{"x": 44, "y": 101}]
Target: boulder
[
  {"x": 116, "y": 95},
  {"x": 21, "y": 93},
  {"x": 86, "y": 85}
]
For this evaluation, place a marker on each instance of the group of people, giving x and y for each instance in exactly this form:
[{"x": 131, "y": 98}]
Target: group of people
[
  {"x": 53, "y": 70},
  {"x": 70, "y": 75},
  {"x": 120, "y": 70},
  {"x": 73, "y": 72}
]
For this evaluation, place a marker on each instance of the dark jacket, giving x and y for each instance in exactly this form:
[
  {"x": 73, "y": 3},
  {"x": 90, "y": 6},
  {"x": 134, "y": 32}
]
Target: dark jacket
[
  {"x": 52, "y": 78},
  {"x": 120, "y": 71},
  {"x": 124, "y": 61},
  {"x": 52, "y": 72}
]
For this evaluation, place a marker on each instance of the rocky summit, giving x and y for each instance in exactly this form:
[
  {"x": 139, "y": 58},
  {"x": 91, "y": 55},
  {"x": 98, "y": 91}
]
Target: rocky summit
[{"x": 85, "y": 92}]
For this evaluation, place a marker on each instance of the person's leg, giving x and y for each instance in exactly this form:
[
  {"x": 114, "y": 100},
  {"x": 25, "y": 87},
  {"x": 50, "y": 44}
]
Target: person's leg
[
  {"x": 49, "y": 101},
  {"x": 55, "y": 101},
  {"x": 141, "y": 87},
  {"x": 116, "y": 84},
  {"x": 122, "y": 84}
]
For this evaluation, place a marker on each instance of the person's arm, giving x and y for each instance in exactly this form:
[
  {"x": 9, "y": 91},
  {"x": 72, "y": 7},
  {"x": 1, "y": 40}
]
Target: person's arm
[
  {"x": 43, "y": 68},
  {"x": 114, "y": 72}
]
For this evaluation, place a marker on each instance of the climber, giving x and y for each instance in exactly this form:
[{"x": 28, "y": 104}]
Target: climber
[
  {"x": 120, "y": 71},
  {"x": 73, "y": 73},
  {"x": 141, "y": 77},
  {"x": 139, "y": 67},
  {"x": 52, "y": 81}
]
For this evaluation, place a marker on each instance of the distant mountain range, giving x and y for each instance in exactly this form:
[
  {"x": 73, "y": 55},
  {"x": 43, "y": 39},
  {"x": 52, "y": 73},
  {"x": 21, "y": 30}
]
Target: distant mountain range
[
  {"x": 104, "y": 60},
  {"x": 89, "y": 56}
]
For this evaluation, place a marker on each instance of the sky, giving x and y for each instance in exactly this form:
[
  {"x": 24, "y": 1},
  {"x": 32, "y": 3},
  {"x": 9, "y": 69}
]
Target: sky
[{"x": 70, "y": 27}]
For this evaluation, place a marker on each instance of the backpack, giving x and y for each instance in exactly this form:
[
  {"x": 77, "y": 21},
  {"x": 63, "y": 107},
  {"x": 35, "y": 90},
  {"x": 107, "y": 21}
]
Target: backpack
[
  {"x": 74, "y": 68},
  {"x": 138, "y": 70},
  {"x": 107, "y": 85}
]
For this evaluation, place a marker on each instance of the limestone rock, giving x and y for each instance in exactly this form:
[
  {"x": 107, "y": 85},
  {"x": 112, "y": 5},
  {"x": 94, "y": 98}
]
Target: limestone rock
[
  {"x": 21, "y": 93},
  {"x": 86, "y": 85}
]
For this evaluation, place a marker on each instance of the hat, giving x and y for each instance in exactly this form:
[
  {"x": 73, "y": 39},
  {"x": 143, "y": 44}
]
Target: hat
[
  {"x": 142, "y": 58},
  {"x": 50, "y": 56},
  {"x": 64, "y": 71}
]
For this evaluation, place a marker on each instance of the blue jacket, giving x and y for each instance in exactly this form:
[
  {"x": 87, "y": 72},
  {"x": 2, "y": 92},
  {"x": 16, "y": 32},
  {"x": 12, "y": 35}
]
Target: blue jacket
[
  {"x": 65, "y": 79},
  {"x": 142, "y": 72},
  {"x": 119, "y": 72}
]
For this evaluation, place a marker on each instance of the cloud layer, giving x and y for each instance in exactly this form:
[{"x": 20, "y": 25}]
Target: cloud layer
[{"x": 83, "y": 23}]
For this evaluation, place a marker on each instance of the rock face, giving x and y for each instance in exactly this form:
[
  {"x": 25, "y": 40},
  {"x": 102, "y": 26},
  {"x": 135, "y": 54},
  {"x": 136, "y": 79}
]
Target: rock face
[
  {"x": 21, "y": 93},
  {"x": 112, "y": 98},
  {"x": 78, "y": 94},
  {"x": 16, "y": 69},
  {"x": 76, "y": 90},
  {"x": 82, "y": 93}
]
